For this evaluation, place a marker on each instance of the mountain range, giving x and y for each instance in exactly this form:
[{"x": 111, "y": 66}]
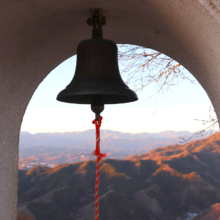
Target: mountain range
[
  {"x": 167, "y": 183},
  {"x": 69, "y": 147},
  {"x": 69, "y": 139}
]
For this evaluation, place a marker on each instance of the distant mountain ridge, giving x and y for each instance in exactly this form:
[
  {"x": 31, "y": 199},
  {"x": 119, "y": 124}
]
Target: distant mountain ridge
[
  {"x": 70, "y": 147},
  {"x": 67, "y": 139}
]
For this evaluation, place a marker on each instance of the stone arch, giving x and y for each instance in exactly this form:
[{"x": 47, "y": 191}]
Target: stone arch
[{"x": 38, "y": 35}]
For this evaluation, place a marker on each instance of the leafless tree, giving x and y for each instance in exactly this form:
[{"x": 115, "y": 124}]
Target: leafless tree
[{"x": 144, "y": 66}]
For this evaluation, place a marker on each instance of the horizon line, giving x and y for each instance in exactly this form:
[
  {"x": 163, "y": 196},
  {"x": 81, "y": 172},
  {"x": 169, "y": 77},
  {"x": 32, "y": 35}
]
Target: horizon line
[{"x": 110, "y": 130}]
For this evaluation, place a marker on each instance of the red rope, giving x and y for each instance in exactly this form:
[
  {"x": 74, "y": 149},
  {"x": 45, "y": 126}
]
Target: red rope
[{"x": 99, "y": 157}]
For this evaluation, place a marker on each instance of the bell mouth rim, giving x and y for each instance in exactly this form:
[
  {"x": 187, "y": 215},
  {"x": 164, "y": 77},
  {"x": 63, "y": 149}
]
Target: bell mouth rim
[{"x": 110, "y": 94}]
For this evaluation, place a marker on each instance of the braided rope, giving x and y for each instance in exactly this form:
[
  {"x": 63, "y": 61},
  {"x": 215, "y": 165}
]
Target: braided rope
[{"x": 99, "y": 157}]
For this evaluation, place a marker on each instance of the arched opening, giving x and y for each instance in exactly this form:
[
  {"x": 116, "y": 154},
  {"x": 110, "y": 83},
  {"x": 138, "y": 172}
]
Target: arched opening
[{"x": 137, "y": 114}]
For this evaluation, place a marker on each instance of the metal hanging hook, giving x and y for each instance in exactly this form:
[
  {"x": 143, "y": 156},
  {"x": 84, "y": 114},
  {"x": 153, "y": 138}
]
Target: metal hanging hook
[{"x": 97, "y": 21}]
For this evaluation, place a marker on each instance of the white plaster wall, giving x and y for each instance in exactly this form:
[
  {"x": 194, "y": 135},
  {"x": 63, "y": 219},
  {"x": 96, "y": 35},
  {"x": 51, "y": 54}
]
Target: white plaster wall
[{"x": 36, "y": 36}]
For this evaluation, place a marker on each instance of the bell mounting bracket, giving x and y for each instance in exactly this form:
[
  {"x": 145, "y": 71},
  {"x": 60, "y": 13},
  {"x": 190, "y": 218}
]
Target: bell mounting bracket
[{"x": 97, "y": 21}]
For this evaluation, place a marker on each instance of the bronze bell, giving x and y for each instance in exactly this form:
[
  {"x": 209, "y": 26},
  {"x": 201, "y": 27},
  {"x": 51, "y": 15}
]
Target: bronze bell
[{"x": 97, "y": 74}]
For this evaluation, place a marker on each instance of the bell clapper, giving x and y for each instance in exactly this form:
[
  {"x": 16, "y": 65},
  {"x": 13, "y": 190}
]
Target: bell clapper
[{"x": 97, "y": 106}]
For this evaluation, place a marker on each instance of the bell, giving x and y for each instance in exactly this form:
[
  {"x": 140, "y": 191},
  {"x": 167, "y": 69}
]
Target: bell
[{"x": 97, "y": 74}]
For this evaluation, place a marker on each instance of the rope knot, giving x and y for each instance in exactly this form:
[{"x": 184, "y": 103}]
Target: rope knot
[{"x": 100, "y": 157}]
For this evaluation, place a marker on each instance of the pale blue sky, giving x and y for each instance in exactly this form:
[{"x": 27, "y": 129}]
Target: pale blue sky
[{"x": 175, "y": 110}]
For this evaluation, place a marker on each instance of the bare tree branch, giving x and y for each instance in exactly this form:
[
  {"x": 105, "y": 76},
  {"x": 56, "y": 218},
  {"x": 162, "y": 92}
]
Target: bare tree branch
[
  {"x": 145, "y": 66},
  {"x": 211, "y": 124}
]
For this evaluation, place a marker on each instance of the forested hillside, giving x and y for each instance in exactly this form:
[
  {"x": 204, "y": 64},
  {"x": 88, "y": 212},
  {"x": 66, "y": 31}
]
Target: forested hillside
[{"x": 164, "y": 184}]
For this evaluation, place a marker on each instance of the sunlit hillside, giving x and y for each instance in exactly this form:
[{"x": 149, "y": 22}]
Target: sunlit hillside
[{"x": 164, "y": 184}]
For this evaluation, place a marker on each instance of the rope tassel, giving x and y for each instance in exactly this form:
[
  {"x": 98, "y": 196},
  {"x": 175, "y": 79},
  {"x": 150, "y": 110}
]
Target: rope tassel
[{"x": 99, "y": 157}]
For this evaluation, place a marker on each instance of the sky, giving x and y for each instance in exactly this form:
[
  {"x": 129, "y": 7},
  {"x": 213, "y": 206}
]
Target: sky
[{"x": 174, "y": 110}]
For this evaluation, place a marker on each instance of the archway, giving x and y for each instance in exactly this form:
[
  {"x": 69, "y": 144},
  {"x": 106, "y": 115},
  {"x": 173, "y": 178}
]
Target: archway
[{"x": 35, "y": 38}]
